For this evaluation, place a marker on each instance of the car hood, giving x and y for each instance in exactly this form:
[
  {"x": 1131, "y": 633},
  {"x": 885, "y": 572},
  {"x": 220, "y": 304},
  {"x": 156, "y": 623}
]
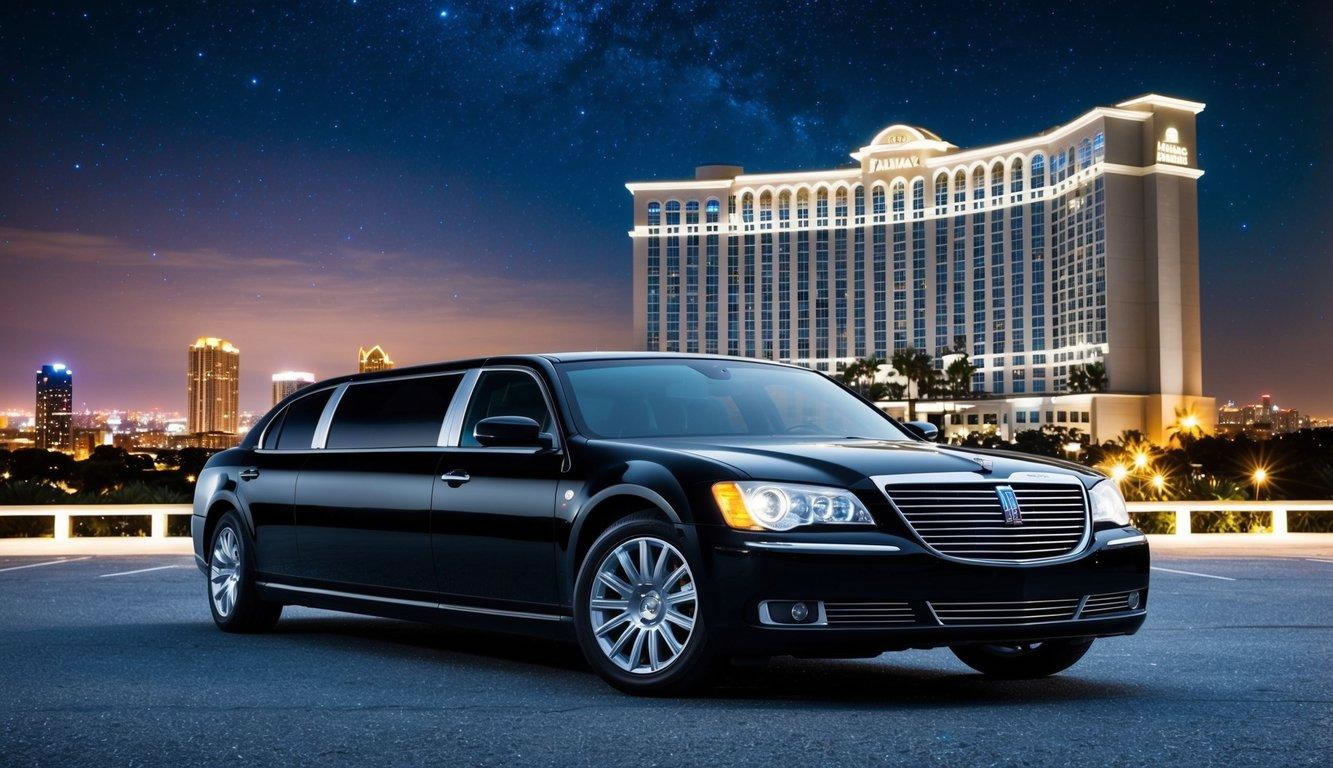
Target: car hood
[{"x": 846, "y": 462}]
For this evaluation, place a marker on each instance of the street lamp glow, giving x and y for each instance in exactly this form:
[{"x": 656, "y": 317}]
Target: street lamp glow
[
  {"x": 1260, "y": 476},
  {"x": 1158, "y": 481}
]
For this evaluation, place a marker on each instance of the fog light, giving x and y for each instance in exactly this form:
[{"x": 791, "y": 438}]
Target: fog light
[
  {"x": 799, "y": 612},
  {"x": 1133, "y": 600}
]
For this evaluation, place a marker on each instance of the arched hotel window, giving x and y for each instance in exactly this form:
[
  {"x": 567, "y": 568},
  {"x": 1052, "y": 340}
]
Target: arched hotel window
[
  {"x": 1069, "y": 164},
  {"x": 918, "y": 198},
  {"x": 877, "y": 200},
  {"x": 784, "y": 208},
  {"x": 978, "y": 188},
  {"x": 712, "y": 210},
  {"x": 859, "y": 195},
  {"x": 766, "y": 206},
  {"x": 747, "y": 207},
  {"x": 1099, "y": 147},
  {"x": 997, "y": 179},
  {"x": 1038, "y": 171},
  {"x": 821, "y": 207},
  {"x": 899, "y": 193},
  {"x": 692, "y": 212},
  {"x": 802, "y": 207},
  {"x": 654, "y": 214},
  {"x": 1016, "y": 175},
  {"x": 673, "y": 213},
  {"x": 840, "y": 206},
  {"x": 960, "y": 190},
  {"x": 941, "y": 192},
  {"x": 1084, "y": 154}
]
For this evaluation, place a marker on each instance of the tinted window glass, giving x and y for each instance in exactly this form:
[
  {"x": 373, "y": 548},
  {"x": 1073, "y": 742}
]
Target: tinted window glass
[
  {"x": 273, "y": 430},
  {"x": 505, "y": 393},
  {"x": 399, "y": 413},
  {"x": 692, "y": 398},
  {"x": 298, "y": 427}
]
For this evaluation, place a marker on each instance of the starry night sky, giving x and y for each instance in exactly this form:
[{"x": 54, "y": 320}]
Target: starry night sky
[{"x": 446, "y": 179}]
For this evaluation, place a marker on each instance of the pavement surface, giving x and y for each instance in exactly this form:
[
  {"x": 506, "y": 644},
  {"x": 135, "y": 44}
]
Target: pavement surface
[{"x": 113, "y": 660}]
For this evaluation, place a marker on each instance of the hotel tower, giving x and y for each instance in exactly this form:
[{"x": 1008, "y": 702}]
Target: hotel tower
[
  {"x": 213, "y": 386},
  {"x": 1072, "y": 246}
]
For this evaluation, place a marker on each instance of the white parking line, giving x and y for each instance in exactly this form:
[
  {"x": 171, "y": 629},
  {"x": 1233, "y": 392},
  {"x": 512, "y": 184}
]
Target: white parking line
[
  {"x": 48, "y": 562},
  {"x": 1192, "y": 573},
  {"x": 141, "y": 570},
  {"x": 1317, "y": 560}
]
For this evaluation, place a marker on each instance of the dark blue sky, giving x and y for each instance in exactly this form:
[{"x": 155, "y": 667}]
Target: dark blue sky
[{"x": 447, "y": 178}]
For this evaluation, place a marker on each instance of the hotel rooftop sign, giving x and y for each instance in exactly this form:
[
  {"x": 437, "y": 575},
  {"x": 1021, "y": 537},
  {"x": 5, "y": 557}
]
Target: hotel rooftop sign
[{"x": 900, "y": 147}]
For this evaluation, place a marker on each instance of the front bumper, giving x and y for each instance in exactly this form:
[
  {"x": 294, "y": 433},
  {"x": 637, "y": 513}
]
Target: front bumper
[{"x": 916, "y": 595}]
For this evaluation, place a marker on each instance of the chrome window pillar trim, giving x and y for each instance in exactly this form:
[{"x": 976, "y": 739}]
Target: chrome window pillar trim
[
  {"x": 824, "y": 548},
  {"x": 453, "y": 417},
  {"x": 321, "y": 435},
  {"x": 415, "y": 603}
]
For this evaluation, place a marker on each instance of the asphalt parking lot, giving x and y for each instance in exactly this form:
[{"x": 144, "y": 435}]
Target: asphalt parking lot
[{"x": 114, "y": 661}]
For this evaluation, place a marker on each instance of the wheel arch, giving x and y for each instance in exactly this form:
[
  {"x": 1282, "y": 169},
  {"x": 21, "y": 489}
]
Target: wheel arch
[{"x": 602, "y": 510}]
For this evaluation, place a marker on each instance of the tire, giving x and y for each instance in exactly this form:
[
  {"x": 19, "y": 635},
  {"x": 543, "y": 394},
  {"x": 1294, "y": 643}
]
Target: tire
[
  {"x": 233, "y": 597},
  {"x": 644, "y": 634},
  {"x": 1019, "y": 661}
]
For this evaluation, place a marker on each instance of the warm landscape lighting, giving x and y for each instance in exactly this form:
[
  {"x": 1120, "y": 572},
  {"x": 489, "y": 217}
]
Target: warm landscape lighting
[
  {"x": 1141, "y": 459},
  {"x": 1119, "y": 472}
]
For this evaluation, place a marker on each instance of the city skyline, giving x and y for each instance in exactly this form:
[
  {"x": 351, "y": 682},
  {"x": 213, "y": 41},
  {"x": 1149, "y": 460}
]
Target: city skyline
[{"x": 239, "y": 181}]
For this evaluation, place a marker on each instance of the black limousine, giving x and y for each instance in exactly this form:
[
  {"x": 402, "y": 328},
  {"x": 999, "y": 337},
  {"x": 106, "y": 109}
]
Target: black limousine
[{"x": 667, "y": 512}]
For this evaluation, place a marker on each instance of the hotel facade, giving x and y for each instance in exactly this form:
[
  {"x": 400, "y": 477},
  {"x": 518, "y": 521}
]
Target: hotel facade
[{"x": 1072, "y": 246}]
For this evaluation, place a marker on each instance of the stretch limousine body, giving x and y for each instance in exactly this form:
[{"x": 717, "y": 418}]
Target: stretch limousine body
[{"x": 667, "y": 512}]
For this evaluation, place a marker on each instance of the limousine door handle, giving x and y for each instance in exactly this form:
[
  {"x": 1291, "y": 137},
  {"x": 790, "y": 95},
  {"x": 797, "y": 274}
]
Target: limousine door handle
[
  {"x": 249, "y": 474},
  {"x": 455, "y": 477}
]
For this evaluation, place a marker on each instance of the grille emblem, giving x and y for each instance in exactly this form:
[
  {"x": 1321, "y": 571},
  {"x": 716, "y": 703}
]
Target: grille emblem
[{"x": 1013, "y": 516}]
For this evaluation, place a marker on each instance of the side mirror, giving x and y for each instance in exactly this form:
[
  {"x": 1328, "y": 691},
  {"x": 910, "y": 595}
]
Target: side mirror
[
  {"x": 509, "y": 431},
  {"x": 923, "y": 429}
]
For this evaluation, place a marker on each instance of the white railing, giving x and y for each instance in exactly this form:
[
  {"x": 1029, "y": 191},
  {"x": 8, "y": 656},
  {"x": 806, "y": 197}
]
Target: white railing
[
  {"x": 64, "y": 515},
  {"x": 1182, "y": 510}
]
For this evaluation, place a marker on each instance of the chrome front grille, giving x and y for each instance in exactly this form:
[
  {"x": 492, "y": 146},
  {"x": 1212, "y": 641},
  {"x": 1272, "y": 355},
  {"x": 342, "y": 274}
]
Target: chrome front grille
[
  {"x": 967, "y": 520},
  {"x": 1018, "y": 612},
  {"x": 868, "y": 614},
  {"x": 1115, "y": 602}
]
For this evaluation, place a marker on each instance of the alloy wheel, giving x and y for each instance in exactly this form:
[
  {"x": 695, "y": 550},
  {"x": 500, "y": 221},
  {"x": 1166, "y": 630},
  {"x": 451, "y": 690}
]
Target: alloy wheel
[
  {"x": 225, "y": 571},
  {"x": 643, "y": 605}
]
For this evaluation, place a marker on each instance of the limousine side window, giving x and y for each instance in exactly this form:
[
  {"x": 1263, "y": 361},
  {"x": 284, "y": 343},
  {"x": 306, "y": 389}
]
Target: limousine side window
[
  {"x": 396, "y": 413},
  {"x": 298, "y": 425},
  {"x": 505, "y": 393}
]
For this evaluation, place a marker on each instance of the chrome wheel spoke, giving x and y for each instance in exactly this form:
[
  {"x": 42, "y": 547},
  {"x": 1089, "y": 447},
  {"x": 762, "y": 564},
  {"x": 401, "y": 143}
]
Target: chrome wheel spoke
[
  {"x": 642, "y": 605},
  {"x": 225, "y": 571}
]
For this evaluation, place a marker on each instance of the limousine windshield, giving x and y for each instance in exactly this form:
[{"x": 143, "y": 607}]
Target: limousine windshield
[{"x": 706, "y": 398}]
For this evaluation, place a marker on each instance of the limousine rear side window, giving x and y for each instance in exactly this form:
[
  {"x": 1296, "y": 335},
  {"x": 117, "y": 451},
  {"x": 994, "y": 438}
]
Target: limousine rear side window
[
  {"x": 505, "y": 393},
  {"x": 397, "y": 413},
  {"x": 298, "y": 425}
]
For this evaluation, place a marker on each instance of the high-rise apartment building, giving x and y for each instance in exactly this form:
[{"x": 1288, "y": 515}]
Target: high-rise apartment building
[
  {"x": 213, "y": 386},
  {"x": 55, "y": 408},
  {"x": 1073, "y": 246},
  {"x": 373, "y": 359},
  {"x": 287, "y": 382}
]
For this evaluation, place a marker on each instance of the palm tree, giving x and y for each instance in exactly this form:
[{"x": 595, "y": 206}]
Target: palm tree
[
  {"x": 918, "y": 368},
  {"x": 1088, "y": 378},
  {"x": 861, "y": 375},
  {"x": 958, "y": 377}
]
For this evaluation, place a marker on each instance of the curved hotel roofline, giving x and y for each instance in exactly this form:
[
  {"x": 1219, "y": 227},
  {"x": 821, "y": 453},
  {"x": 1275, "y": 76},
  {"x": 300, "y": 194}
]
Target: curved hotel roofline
[{"x": 1138, "y": 109}]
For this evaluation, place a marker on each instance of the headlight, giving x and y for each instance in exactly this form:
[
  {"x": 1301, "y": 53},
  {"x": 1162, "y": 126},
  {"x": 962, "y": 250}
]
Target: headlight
[
  {"x": 1107, "y": 504},
  {"x": 760, "y": 506}
]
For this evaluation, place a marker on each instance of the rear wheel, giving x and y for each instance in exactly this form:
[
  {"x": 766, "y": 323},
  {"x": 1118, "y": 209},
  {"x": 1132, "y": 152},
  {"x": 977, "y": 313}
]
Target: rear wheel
[
  {"x": 1016, "y": 661},
  {"x": 233, "y": 597},
  {"x": 637, "y": 611}
]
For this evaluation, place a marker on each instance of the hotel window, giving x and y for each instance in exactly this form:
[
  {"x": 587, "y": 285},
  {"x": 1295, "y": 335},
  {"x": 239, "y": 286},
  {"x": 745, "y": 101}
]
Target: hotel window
[
  {"x": 840, "y": 207},
  {"x": 997, "y": 181},
  {"x": 919, "y": 198},
  {"x": 654, "y": 214},
  {"x": 1021, "y": 417},
  {"x": 1084, "y": 154},
  {"x": 747, "y": 208},
  {"x": 960, "y": 191},
  {"x": 673, "y": 213},
  {"x": 1015, "y": 179},
  {"x": 1099, "y": 147},
  {"x": 899, "y": 195},
  {"x": 941, "y": 193},
  {"x": 973, "y": 419},
  {"x": 989, "y": 418},
  {"x": 821, "y": 208},
  {"x": 712, "y": 210},
  {"x": 765, "y": 210},
  {"x": 858, "y": 194},
  {"x": 877, "y": 202},
  {"x": 784, "y": 209},
  {"x": 1038, "y": 171},
  {"x": 979, "y": 188},
  {"x": 692, "y": 212}
]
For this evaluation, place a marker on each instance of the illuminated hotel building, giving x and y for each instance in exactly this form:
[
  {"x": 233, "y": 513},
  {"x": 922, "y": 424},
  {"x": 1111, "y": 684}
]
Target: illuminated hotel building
[
  {"x": 213, "y": 386},
  {"x": 287, "y": 382},
  {"x": 55, "y": 408},
  {"x": 1075, "y": 245},
  {"x": 373, "y": 359}
]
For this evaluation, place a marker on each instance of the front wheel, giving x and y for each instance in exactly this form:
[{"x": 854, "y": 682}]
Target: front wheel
[
  {"x": 233, "y": 596},
  {"x": 637, "y": 610},
  {"x": 1017, "y": 661}
]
